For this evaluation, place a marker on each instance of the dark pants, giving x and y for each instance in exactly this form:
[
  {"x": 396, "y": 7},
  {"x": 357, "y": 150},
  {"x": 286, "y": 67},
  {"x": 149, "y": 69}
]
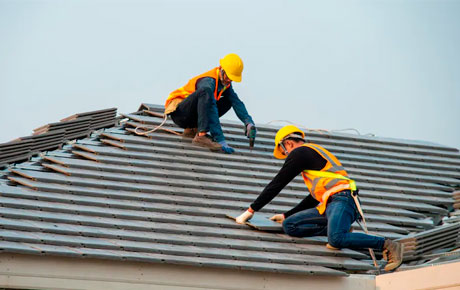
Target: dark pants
[
  {"x": 200, "y": 110},
  {"x": 340, "y": 213}
]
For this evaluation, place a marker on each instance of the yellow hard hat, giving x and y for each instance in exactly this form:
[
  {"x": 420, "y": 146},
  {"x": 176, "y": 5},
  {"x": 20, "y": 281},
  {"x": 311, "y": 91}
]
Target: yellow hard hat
[
  {"x": 233, "y": 66},
  {"x": 282, "y": 133}
]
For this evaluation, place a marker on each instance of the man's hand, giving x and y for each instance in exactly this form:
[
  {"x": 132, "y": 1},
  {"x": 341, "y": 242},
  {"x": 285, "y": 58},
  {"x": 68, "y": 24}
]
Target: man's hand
[
  {"x": 279, "y": 218},
  {"x": 250, "y": 131},
  {"x": 241, "y": 219},
  {"x": 226, "y": 148}
]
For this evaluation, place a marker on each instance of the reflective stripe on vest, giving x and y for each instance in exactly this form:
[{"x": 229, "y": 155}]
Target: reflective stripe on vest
[
  {"x": 330, "y": 180},
  {"x": 190, "y": 87}
]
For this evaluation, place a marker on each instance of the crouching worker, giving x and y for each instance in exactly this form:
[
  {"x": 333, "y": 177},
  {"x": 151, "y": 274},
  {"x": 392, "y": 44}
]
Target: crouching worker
[
  {"x": 197, "y": 106},
  {"x": 330, "y": 209}
]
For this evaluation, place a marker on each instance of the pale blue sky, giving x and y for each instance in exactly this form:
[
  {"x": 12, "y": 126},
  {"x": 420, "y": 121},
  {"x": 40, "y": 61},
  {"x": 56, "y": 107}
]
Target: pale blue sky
[{"x": 391, "y": 68}]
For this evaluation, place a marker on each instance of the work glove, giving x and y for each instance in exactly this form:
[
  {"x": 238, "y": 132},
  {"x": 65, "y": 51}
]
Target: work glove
[
  {"x": 241, "y": 219},
  {"x": 279, "y": 218},
  {"x": 226, "y": 148},
  {"x": 250, "y": 131}
]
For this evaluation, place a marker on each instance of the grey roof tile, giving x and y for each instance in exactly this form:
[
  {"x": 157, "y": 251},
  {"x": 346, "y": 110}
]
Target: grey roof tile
[
  {"x": 120, "y": 196},
  {"x": 103, "y": 227},
  {"x": 30, "y": 248},
  {"x": 52, "y": 136},
  {"x": 241, "y": 143},
  {"x": 202, "y": 201},
  {"x": 413, "y": 202},
  {"x": 328, "y": 135},
  {"x": 435, "y": 190},
  {"x": 371, "y": 186},
  {"x": 16, "y": 247}
]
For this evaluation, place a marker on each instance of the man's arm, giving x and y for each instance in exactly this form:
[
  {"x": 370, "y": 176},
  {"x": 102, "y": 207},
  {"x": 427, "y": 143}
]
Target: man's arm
[
  {"x": 298, "y": 160},
  {"x": 284, "y": 176},
  {"x": 238, "y": 106},
  {"x": 291, "y": 168},
  {"x": 207, "y": 83},
  {"x": 306, "y": 203}
]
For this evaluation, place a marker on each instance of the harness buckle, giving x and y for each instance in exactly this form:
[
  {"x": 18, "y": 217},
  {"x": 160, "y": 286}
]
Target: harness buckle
[{"x": 355, "y": 193}]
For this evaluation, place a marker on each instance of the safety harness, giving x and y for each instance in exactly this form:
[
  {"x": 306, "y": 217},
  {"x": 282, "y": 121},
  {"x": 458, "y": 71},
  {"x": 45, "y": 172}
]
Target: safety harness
[{"x": 354, "y": 193}]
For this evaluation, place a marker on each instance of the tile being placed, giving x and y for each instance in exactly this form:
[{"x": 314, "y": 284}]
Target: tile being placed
[{"x": 261, "y": 222}]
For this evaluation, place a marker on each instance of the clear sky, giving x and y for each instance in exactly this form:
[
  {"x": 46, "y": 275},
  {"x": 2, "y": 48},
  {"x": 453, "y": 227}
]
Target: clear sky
[{"x": 391, "y": 68}]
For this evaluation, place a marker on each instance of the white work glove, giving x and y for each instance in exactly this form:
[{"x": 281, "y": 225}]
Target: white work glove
[
  {"x": 242, "y": 218},
  {"x": 279, "y": 218}
]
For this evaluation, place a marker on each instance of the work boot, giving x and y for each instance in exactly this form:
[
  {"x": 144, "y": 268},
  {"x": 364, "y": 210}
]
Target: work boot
[
  {"x": 393, "y": 253},
  {"x": 206, "y": 141},
  {"x": 189, "y": 132},
  {"x": 331, "y": 247}
]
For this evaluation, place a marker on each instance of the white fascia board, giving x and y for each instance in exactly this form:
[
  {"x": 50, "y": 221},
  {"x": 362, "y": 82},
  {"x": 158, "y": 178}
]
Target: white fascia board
[
  {"x": 445, "y": 276},
  {"x": 52, "y": 272}
]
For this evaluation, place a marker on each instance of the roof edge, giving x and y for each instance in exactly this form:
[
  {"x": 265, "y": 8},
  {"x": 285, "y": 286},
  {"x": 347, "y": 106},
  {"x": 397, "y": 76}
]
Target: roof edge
[{"x": 32, "y": 271}]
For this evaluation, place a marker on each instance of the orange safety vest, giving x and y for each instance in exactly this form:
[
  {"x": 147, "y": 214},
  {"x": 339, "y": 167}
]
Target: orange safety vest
[
  {"x": 181, "y": 93},
  {"x": 320, "y": 185}
]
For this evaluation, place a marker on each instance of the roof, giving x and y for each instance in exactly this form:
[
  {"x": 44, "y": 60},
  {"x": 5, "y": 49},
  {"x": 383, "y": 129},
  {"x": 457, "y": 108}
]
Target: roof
[
  {"x": 52, "y": 136},
  {"x": 116, "y": 195}
]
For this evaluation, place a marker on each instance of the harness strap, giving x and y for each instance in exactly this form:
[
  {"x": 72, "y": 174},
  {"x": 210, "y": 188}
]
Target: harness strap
[
  {"x": 364, "y": 226},
  {"x": 354, "y": 194}
]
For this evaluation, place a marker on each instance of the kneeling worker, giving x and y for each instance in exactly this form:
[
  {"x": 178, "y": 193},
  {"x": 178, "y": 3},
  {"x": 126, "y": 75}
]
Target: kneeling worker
[
  {"x": 330, "y": 192},
  {"x": 197, "y": 106}
]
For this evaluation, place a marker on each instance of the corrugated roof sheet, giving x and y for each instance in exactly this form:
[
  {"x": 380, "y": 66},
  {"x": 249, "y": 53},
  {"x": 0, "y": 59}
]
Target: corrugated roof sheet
[
  {"x": 117, "y": 195},
  {"x": 456, "y": 196},
  {"x": 54, "y": 135},
  {"x": 443, "y": 237}
]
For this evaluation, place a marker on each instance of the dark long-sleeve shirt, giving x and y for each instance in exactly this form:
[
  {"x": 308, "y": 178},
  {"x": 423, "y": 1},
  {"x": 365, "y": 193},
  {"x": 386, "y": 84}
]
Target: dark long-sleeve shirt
[
  {"x": 300, "y": 159},
  {"x": 228, "y": 99}
]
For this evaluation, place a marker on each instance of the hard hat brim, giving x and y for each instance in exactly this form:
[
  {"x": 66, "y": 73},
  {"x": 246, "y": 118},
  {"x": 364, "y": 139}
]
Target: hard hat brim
[
  {"x": 234, "y": 78},
  {"x": 280, "y": 135},
  {"x": 278, "y": 154}
]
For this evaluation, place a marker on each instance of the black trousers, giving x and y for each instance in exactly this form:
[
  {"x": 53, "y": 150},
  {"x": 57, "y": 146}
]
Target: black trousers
[{"x": 201, "y": 110}]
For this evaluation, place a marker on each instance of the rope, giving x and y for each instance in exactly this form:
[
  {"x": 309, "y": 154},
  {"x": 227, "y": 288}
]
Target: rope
[
  {"x": 159, "y": 127},
  {"x": 153, "y": 130}
]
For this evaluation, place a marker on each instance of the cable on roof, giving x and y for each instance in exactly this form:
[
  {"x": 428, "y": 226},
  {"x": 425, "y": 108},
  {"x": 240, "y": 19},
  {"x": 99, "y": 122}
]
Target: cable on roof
[{"x": 321, "y": 131}]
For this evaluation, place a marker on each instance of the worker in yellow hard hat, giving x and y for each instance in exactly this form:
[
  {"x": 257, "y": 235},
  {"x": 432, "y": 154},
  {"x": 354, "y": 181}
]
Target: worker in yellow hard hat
[
  {"x": 332, "y": 205},
  {"x": 197, "y": 106}
]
